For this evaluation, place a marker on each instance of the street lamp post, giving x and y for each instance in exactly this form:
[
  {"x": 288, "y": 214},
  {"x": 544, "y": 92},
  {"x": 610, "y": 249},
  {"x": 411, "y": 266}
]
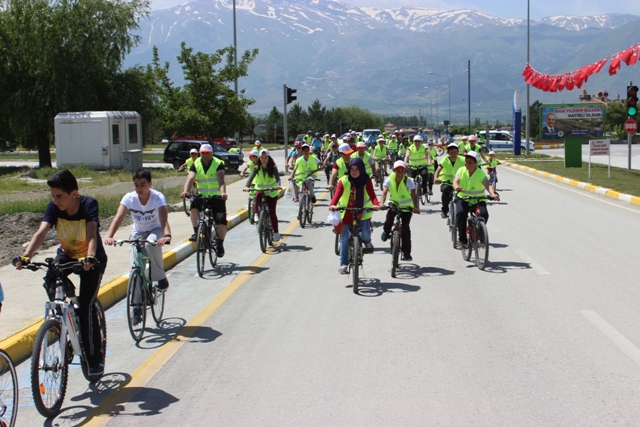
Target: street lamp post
[
  {"x": 235, "y": 60},
  {"x": 448, "y": 77}
]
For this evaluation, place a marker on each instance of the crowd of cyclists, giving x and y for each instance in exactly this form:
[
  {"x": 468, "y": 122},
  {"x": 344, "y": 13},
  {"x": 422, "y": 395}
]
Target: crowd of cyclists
[{"x": 351, "y": 167}]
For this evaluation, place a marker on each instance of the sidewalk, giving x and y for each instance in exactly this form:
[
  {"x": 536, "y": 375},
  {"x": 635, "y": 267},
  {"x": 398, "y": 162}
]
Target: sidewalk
[{"x": 22, "y": 309}]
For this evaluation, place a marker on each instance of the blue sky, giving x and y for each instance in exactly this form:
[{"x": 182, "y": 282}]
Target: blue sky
[{"x": 500, "y": 8}]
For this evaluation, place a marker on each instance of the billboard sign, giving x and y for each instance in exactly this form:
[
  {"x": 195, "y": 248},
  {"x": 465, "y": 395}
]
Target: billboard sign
[{"x": 571, "y": 121}]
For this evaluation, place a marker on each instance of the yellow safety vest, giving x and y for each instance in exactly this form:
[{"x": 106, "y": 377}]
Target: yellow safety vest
[
  {"x": 303, "y": 167},
  {"x": 262, "y": 181},
  {"x": 472, "y": 185},
  {"x": 365, "y": 159},
  {"x": 449, "y": 170},
  {"x": 417, "y": 156},
  {"x": 381, "y": 153},
  {"x": 344, "y": 199},
  {"x": 400, "y": 194},
  {"x": 342, "y": 167},
  {"x": 208, "y": 181},
  {"x": 393, "y": 144}
]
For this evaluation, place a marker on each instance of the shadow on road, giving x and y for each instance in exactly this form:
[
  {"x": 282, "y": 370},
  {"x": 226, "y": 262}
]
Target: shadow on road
[
  {"x": 504, "y": 267},
  {"x": 414, "y": 271},
  {"x": 375, "y": 288},
  {"x": 158, "y": 335}
]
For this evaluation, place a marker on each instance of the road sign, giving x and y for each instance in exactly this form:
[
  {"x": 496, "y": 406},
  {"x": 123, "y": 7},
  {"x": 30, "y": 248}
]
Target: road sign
[
  {"x": 631, "y": 126},
  {"x": 260, "y": 128},
  {"x": 599, "y": 147}
]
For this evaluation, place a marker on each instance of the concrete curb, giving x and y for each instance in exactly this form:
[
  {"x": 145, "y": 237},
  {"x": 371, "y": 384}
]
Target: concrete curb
[
  {"x": 628, "y": 198},
  {"x": 20, "y": 345},
  {"x": 548, "y": 146}
]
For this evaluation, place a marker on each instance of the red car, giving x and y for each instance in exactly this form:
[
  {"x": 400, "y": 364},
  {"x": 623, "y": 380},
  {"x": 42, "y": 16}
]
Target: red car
[{"x": 226, "y": 142}]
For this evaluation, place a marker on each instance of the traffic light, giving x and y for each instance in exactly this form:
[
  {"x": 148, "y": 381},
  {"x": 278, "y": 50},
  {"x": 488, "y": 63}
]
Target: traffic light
[
  {"x": 445, "y": 123},
  {"x": 632, "y": 100},
  {"x": 290, "y": 96}
]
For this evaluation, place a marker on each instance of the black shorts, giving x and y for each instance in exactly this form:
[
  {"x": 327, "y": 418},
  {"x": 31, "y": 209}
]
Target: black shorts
[{"x": 218, "y": 208}]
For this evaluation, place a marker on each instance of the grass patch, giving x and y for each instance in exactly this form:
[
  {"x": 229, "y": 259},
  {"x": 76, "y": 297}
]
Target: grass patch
[{"x": 622, "y": 180}]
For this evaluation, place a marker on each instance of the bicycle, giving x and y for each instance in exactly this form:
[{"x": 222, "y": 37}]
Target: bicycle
[
  {"x": 58, "y": 338},
  {"x": 265, "y": 228},
  {"x": 305, "y": 211},
  {"x": 207, "y": 235},
  {"x": 451, "y": 219},
  {"x": 9, "y": 391},
  {"x": 356, "y": 250},
  {"x": 381, "y": 174},
  {"x": 396, "y": 237},
  {"x": 418, "y": 181},
  {"x": 141, "y": 293},
  {"x": 194, "y": 190},
  {"x": 477, "y": 236}
]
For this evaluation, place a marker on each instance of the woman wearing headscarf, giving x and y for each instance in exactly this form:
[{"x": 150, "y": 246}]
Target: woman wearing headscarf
[{"x": 354, "y": 190}]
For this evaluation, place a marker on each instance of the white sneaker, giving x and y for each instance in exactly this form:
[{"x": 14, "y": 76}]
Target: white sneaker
[
  {"x": 276, "y": 237},
  {"x": 256, "y": 218},
  {"x": 343, "y": 269}
]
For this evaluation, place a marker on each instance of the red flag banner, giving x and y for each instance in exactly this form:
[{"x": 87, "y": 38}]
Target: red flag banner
[{"x": 575, "y": 79}]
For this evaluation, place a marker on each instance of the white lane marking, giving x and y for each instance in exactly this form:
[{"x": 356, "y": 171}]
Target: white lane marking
[
  {"x": 525, "y": 257},
  {"x": 619, "y": 340},
  {"x": 584, "y": 193}
]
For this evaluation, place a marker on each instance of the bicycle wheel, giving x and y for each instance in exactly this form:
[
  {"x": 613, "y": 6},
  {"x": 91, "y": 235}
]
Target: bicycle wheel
[
  {"x": 395, "y": 251},
  {"x": 102, "y": 327},
  {"x": 269, "y": 229},
  {"x": 381, "y": 178},
  {"x": 482, "y": 245},
  {"x": 466, "y": 252},
  {"x": 157, "y": 305},
  {"x": 201, "y": 248},
  {"x": 136, "y": 305},
  {"x": 184, "y": 205},
  {"x": 262, "y": 236},
  {"x": 9, "y": 391},
  {"x": 213, "y": 246},
  {"x": 428, "y": 197},
  {"x": 309, "y": 211},
  {"x": 302, "y": 213},
  {"x": 439, "y": 151},
  {"x": 337, "y": 244},
  {"x": 48, "y": 370},
  {"x": 424, "y": 196},
  {"x": 453, "y": 226},
  {"x": 418, "y": 183},
  {"x": 355, "y": 259}
]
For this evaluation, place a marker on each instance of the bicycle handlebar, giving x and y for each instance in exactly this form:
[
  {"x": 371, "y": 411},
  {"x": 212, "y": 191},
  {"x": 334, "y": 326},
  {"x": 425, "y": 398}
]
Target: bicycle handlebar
[
  {"x": 135, "y": 242},
  {"x": 355, "y": 209},
  {"x": 49, "y": 265}
]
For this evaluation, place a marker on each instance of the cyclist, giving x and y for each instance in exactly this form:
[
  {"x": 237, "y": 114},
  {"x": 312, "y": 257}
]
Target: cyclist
[
  {"x": 252, "y": 163},
  {"x": 76, "y": 219},
  {"x": 308, "y": 138},
  {"x": 316, "y": 143},
  {"x": 354, "y": 190},
  {"x": 492, "y": 165},
  {"x": 433, "y": 164},
  {"x": 381, "y": 154},
  {"x": 150, "y": 222},
  {"x": 402, "y": 191},
  {"x": 339, "y": 168},
  {"x": 474, "y": 146},
  {"x": 471, "y": 181},
  {"x": 208, "y": 172},
  {"x": 331, "y": 156},
  {"x": 445, "y": 173},
  {"x": 326, "y": 142},
  {"x": 263, "y": 177},
  {"x": 295, "y": 152},
  {"x": 369, "y": 164},
  {"x": 305, "y": 166},
  {"x": 193, "y": 155},
  {"x": 393, "y": 147},
  {"x": 418, "y": 160}
]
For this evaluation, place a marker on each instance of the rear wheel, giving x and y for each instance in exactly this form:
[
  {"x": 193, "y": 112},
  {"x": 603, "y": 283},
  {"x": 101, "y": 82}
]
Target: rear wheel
[
  {"x": 201, "y": 251},
  {"x": 136, "y": 305},
  {"x": 482, "y": 245},
  {"x": 395, "y": 251},
  {"x": 48, "y": 370},
  {"x": 302, "y": 211},
  {"x": 355, "y": 259},
  {"x": 8, "y": 391},
  {"x": 102, "y": 326}
]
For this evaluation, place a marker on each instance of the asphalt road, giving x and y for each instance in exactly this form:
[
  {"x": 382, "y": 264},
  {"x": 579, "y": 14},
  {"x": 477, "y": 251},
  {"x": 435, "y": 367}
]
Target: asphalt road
[{"x": 548, "y": 335}]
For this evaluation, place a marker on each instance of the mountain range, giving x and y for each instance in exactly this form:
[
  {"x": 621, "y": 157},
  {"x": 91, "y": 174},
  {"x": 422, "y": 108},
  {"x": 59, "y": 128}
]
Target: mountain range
[{"x": 380, "y": 59}]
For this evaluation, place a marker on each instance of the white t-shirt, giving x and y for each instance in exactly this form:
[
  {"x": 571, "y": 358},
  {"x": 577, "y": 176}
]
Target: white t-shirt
[
  {"x": 411, "y": 185},
  {"x": 145, "y": 218}
]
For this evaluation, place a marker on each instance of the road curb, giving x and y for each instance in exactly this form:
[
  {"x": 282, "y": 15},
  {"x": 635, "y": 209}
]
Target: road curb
[
  {"x": 20, "y": 345},
  {"x": 603, "y": 191}
]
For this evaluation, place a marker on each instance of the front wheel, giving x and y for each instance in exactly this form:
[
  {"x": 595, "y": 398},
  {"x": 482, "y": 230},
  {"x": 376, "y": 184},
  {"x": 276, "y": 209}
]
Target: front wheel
[
  {"x": 395, "y": 251},
  {"x": 482, "y": 245},
  {"x": 466, "y": 252},
  {"x": 453, "y": 226},
  {"x": 102, "y": 327},
  {"x": 355, "y": 260},
  {"x": 157, "y": 305},
  {"x": 309, "y": 211},
  {"x": 337, "y": 244},
  {"x": 213, "y": 246},
  {"x": 302, "y": 214},
  {"x": 263, "y": 232},
  {"x": 201, "y": 245},
  {"x": 136, "y": 305},
  {"x": 9, "y": 391},
  {"x": 381, "y": 177},
  {"x": 184, "y": 205},
  {"x": 48, "y": 369}
]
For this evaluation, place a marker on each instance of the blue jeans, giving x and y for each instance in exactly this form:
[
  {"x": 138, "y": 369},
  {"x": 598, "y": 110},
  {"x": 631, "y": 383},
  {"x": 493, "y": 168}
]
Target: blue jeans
[{"x": 365, "y": 234}]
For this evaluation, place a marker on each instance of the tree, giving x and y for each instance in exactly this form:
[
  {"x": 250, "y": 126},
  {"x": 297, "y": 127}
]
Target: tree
[
  {"x": 206, "y": 105},
  {"x": 64, "y": 56},
  {"x": 615, "y": 115}
]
